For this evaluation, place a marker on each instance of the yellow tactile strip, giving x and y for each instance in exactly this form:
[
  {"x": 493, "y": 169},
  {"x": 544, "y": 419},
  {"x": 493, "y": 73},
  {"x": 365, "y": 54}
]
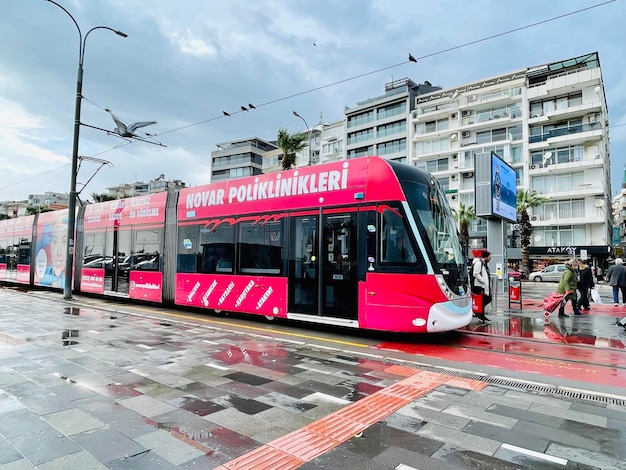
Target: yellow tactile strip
[{"x": 305, "y": 444}]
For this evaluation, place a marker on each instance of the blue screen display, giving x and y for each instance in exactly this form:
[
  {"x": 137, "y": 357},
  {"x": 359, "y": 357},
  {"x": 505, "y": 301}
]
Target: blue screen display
[{"x": 503, "y": 189}]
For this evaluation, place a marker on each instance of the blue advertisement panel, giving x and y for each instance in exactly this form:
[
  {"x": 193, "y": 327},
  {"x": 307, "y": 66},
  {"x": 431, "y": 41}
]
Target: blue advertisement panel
[{"x": 503, "y": 189}]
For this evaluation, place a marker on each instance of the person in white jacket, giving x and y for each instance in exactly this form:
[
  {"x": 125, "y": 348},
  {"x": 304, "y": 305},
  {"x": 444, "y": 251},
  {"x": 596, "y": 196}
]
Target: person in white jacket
[{"x": 481, "y": 285}]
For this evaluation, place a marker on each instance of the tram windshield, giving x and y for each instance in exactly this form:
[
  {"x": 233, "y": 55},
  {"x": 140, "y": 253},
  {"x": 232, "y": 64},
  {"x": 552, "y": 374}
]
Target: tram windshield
[{"x": 436, "y": 224}]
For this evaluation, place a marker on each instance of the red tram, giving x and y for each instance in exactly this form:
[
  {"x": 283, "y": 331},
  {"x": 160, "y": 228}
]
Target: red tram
[{"x": 365, "y": 243}]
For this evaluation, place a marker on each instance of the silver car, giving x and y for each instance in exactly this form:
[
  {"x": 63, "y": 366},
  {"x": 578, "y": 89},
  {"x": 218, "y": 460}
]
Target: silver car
[{"x": 552, "y": 273}]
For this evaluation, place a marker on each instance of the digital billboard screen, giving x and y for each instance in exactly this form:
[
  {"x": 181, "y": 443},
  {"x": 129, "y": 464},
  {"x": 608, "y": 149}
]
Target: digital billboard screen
[{"x": 503, "y": 189}]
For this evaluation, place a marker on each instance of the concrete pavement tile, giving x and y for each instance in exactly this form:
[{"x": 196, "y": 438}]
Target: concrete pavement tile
[
  {"x": 403, "y": 423},
  {"x": 239, "y": 422},
  {"x": 212, "y": 459},
  {"x": 198, "y": 406},
  {"x": 572, "y": 415},
  {"x": 169, "y": 447},
  {"x": 430, "y": 416},
  {"x": 284, "y": 419},
  {"x": 338, "y": 458},
  {"x": 146, "y": 406},
  {"x": 8, "y": 453},
  {"x": 80, "y": 460},
  {"x": 270, "y": 434},
  {"x": 322, "y": 410},
  {"x": 9, "y": 403},
  {"x": 285, "y": 402},
  {"x": 392, "y": 457},
  {"x": 516, "y": 396},
  {"x": 107, "y": 444},
  {"x": 479, "y": 414},
  {"x": 586, "y": 457},
  {"x": 21, "y": 464},
  {"x": 73, "y": 421},
  {"x": 557, "y": 435},
  {"x": 144, "y": 461},
  {"x": 461, "y": 439},
  {"x": 228, "y": 442},
  {"x": 517, "y": 438},
  {"x": 22, "y": 422},
  {"x": 524, "y": 415},
  {"x": 601, "y": 409},
  {"x": 43, "y": 446},
  {"x": 380, "y": 436},
  {"x": 466, "y": 458}
]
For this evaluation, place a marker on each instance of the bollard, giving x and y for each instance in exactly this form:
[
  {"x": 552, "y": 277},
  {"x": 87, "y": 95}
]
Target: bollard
[{"x": 515, "y": 292}]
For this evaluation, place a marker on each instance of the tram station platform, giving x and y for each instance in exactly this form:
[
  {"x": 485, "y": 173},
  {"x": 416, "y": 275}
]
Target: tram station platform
[{"x": 91, "y": 384}]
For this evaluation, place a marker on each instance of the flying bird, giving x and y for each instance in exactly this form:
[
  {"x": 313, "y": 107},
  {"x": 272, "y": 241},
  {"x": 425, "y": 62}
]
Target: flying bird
[
  {"x": 243, "y": 108},
  {"x": 127, "y": 130},
  {"x": 251, "y": 106},
  {"x": 225, "y": 113},
  {"x": 412, "y": 59}
]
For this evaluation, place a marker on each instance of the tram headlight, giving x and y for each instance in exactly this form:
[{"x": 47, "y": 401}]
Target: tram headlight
[{"x": 443, "y": 286}]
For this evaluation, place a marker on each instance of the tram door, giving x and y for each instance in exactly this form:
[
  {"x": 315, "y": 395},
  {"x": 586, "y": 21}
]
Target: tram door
[
  {"x": 339, "y": 265},
  {"x": 117, "y": 247},
  {"x": 304, "y": 263}
]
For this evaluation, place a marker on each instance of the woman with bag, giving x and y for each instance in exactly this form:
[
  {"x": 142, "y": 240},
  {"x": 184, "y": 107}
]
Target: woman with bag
[
  {"x": 585, "y": 283},
  {"x": 567, "y": 286}
]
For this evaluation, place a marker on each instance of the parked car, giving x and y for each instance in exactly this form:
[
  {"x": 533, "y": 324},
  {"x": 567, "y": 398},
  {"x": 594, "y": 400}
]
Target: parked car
[
  {"x": 512, "y": 273},
  {"x": 550, "y": 273}
]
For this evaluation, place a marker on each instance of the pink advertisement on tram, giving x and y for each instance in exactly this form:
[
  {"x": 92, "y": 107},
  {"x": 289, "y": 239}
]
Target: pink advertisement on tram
[
  {"x": 251, "y": 294},
  {"x": 145, "y": 285},
  {"x": 148, "y": 209},
  {"x": 332, "y": 184},
  {"x": 51, "y": 249},
  {"x": 92, "y": 280}
]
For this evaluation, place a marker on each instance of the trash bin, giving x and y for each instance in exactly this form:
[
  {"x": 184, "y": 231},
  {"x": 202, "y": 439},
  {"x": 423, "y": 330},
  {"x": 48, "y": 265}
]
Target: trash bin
[{"x": 515, "y": 292}]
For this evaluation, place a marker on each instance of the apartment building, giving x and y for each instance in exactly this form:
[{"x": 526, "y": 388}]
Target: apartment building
[
  {"x": 550, "y": 123},
  {"x": 239, "y": 158},
  {"x": 380, "y": 125},
  {"x": 139, "y": 188},
  {"x": 619, "y": 220}
]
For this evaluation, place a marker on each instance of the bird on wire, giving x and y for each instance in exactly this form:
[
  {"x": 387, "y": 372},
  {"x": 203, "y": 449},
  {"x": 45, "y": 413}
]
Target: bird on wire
[
  {"x": 128, "y": 130},
  {"x": 243, "y": 108},
  {"x": 225, "y": 113},
  {"x": 251, "y": 106},
  {"x": 412, "y": 59}
]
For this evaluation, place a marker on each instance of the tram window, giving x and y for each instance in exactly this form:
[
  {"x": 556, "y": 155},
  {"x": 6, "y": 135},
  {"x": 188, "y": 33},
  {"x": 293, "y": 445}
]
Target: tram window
[
  {"x": 23, "y": 256},
  {"x": 94, "y": 246},
  {"x": 396, "y": 245},
  {"x": 218, "y": 249},
  {"x": 261, "y": 247},
  {"x": 189, "y": 251}
]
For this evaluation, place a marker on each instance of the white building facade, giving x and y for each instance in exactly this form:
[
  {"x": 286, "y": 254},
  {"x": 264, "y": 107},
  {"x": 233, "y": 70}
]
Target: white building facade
[{"x": 550, "y": 123}]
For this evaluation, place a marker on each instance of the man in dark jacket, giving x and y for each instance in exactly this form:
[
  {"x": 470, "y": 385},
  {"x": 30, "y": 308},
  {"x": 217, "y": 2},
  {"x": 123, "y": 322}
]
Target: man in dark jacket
[
  {"x": 585, "y": 283},
  {"x": 616, "y": 275}
]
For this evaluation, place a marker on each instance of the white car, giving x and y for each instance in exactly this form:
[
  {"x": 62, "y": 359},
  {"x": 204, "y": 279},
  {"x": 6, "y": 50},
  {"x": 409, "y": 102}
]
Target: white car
[{"x": 552, "y": 273}]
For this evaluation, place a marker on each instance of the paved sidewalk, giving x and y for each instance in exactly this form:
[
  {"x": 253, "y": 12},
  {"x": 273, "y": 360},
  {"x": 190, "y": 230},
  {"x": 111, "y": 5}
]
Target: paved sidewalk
[{"x": 89, "y": 388}]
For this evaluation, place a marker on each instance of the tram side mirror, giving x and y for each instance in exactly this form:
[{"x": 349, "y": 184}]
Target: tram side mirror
[{"x": 371, "y": 260}]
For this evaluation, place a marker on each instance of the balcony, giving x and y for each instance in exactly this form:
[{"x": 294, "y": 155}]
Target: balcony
[{"x": 578, "y": 133}]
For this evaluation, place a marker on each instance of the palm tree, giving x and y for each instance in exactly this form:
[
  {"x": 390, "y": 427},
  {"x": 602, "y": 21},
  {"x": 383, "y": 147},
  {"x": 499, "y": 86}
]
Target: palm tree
[
  {"x": 290, "y": 144},
  {"x": 464, "y": 217},
  {"x": 527, "y": 199}
]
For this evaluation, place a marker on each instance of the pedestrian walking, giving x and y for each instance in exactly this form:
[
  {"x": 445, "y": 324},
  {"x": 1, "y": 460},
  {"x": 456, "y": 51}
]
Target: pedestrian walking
[
  {"x": 480, "y": 282},
  {"x": 616, "y": 277},
  {"x": 584, "y": 285},
  {"x": 567, "y": 286}
]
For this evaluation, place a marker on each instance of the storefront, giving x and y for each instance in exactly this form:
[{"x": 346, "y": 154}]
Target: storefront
[{"x": 596, "y": 256}]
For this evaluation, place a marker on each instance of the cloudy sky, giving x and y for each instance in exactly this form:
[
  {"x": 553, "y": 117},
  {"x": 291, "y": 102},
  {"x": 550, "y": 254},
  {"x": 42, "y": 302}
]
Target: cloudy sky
[{"x": 185, "y": 62}]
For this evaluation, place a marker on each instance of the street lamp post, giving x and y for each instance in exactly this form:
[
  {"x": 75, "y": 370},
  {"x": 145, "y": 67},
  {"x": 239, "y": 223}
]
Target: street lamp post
[
  {"x": 71, "y": 219},
  {"x": 308, "y": 130}
]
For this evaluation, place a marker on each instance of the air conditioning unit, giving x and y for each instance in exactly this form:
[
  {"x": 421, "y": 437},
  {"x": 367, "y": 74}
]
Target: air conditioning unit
[
  {"x": 533, "y": 218},
  {"x": 532, "y": 167},
  {"x": 455, "y": 156},
  {"x": 471, "y": 98},
  {"x": 466, "y": 113},
  {"x": 453, "y": 177},
  {"x": 453, "y": 197},
  {"x": 534, "y": 116},
  {"x": 515, "y": 226},
  {"x": 453, "y": 136},
  {"x": 469, "y": 174},
  {"x": 466, "y": 134},
  {"x": 453, "y": 116}
]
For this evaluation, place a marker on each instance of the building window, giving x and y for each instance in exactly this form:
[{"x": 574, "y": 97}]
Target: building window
[
  {"x": 393, "y": 146},
  {"x": 392, "y": 128},
  {"x": 432, "y": 126},
  {"x": 360, "y": 119},
  {"x": 431, "y": 146},
  {"x": 392, "y": 110},
  {"x": 360, "y": 136}
]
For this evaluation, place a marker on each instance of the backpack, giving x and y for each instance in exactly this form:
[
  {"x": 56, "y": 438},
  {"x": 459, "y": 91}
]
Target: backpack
[{"x": 471, "y": 272}]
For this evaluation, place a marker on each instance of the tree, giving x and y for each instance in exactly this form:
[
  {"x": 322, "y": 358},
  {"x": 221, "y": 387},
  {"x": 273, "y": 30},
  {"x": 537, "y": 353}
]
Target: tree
[
  {"x": 527, "y": 199},
  {"x": 290, "y": 144},
  {"x": 102, "y": 197},
  {"x": 464, "y": 217}
]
